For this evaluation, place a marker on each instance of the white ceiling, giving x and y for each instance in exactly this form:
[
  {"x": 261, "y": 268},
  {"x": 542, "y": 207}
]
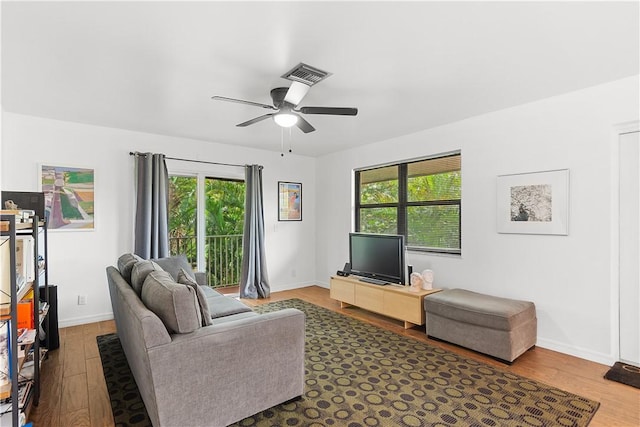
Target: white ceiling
[{"x": 408, "y": 66}]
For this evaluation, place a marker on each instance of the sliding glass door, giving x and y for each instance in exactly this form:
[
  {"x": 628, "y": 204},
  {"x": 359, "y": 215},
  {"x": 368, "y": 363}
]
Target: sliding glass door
[
  {"x": 206, "y": 216},
  {"x": 224, "y": 221}
]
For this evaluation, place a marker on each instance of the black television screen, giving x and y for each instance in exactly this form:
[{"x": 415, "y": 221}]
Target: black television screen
[{"x": 380, "y": 256}]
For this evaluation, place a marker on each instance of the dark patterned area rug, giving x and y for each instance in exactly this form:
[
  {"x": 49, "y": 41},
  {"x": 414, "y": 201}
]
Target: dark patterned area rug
[
  {"x": 126, "y": 402},
  {"x": 625, "y": 374},
  {"x": 361, "y": 375}
]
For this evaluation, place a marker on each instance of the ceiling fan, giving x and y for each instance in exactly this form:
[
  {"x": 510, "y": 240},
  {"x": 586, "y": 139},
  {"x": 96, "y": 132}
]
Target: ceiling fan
[{"x": 286, "y": 112}]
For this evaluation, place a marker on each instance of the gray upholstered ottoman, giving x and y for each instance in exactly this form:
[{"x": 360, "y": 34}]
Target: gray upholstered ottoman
[{"x": 500, "y": 327}]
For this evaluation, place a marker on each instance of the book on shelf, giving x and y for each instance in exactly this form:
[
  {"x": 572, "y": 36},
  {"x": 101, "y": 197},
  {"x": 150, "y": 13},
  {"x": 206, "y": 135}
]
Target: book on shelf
[
  {"x": 25, "y": 270},
  {"x": 24, "y": 393},
  {"x": 24, "y": 257},
  {"x": 25, "y": 313},
  {"x": 44, "y": 307},
  {"x": 5, "y": 271},
  {"x": 26, "y": 373},
  {"x": 27, "y": 337},
  {"x": 22, "y": 215},
  {"x": 5, "y": 378}
]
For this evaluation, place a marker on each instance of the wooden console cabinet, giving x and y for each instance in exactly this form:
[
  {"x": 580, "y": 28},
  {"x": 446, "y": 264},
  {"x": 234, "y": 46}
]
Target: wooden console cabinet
[{"x": 395, "y": 301}]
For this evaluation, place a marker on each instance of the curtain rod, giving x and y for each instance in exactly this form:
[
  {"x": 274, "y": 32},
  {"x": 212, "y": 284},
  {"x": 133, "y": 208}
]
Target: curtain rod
[{"x": 137, "y": 153}]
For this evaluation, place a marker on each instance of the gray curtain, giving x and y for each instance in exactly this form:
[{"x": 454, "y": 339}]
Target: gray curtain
[
  {"x": 152, "y": 206},
  {"x": 254, "y": 282}
]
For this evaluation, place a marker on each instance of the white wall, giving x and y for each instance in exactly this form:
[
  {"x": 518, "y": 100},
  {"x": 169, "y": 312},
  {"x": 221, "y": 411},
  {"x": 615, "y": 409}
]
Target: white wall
[
  {"x": 568, "y": 277},
  {"x": 78, "y": 259}
]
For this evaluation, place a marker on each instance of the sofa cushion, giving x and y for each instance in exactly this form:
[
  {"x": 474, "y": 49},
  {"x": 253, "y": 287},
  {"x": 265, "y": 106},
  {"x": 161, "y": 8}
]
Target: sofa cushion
[
  {"x": 201, "y": 278},
  {"x": 173, "y": 264},
  {"x": 234, "y": 317},
  {"x": 220, "y": 305},
  {"x": 185, "y": 279},
  {"x": 126, "y": 263},
  {"x": 175, "y": 304},
  {"x": 139, "y": 273}
]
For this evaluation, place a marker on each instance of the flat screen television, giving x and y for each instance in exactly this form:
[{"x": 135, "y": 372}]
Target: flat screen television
[{"x": 379, "y": 256}]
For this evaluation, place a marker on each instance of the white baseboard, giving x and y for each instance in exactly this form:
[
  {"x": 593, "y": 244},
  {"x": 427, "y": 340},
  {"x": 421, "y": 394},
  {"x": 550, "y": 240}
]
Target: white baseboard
[
  {"x": 75, "y": 321},
  {"x": 582, "y": 353},
  {"x": 290, "y": 286}
]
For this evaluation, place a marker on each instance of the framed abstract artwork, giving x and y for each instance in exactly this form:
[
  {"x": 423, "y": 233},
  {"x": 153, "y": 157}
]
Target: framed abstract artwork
[
  {"x": 69, "y": 194},
  {"x": 534, "y": 203},
  {"x": 289, "y": 201}
]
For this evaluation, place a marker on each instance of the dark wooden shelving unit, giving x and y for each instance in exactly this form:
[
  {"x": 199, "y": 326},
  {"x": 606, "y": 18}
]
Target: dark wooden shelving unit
[{"x": 12, "y": 294}]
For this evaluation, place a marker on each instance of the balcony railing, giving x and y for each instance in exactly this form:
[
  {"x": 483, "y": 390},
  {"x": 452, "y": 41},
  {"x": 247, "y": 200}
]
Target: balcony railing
[{"x": 223, "y": 257}]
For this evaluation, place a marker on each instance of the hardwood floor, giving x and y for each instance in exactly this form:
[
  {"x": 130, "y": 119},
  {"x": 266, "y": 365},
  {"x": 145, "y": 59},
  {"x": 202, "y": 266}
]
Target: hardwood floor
[{"x": 74, "y": 392}]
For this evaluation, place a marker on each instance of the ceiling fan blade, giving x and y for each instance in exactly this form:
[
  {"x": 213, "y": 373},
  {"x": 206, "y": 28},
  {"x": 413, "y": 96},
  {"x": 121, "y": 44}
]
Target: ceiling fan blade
[
  {"x": 256, "y": 120},
  {"x": 240, "y": 101},
  {"x": 336, "y": 111},
  {"x": 304, "y": 125},
  {"x": 296, "y": 92}
]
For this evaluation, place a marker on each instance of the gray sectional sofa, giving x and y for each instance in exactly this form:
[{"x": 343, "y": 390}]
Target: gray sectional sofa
[{"x": 200, "y": 358}]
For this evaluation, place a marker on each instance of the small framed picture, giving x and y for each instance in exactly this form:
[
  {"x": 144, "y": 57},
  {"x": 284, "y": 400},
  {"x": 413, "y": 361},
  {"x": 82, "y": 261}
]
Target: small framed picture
[
  {"x": 289, "y": 201},
  {"x": 534, "y": 203}
]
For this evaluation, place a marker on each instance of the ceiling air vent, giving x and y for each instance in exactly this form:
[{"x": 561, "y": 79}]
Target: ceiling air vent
[{"x": 306, "y": 74}]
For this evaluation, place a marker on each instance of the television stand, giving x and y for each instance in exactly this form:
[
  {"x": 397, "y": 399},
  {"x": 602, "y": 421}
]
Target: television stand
[{"x": 395, "y": 301}]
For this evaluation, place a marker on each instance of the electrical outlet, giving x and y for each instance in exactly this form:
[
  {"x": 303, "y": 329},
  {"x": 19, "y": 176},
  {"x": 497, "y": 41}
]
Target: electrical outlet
[
  {"x": 293, "y": 272},
  {"x": 82, "y": 300}
]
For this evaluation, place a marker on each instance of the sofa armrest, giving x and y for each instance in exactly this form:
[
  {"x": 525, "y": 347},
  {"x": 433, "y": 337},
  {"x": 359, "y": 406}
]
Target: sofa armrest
[
  {"x": 202, "y": 278},
  {"x": 259, "y": 361}
]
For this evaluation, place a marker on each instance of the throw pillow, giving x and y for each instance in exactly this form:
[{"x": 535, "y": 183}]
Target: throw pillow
[
  {"x": 173, "y": 264},
  {"x": 175, "y": 304},
  {"x": 185, "y": 279},
  {"x": 139, "y": 273},
  {"x": 126, "y": 263}
]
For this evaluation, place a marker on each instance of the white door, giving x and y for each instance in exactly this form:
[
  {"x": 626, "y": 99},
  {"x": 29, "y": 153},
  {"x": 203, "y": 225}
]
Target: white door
[{"x": 629, "y": 248}]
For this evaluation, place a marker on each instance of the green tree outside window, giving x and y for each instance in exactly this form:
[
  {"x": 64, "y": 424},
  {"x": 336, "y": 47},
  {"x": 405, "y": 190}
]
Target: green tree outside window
[
  {"x": 224, "y": 221},
  {"x": 419, "y": 199}
]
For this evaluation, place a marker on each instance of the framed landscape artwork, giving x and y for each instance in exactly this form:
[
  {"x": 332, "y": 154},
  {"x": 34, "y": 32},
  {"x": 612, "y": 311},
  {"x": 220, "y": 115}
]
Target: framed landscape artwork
[
  {"x": 289, "y": 201},
  {"x": 534, "y": 203},
  {"x": 68, "y": 197}
]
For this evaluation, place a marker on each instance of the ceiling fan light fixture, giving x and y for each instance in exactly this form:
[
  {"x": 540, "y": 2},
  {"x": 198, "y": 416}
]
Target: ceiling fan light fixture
[{"x": 286, "y": 120}]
